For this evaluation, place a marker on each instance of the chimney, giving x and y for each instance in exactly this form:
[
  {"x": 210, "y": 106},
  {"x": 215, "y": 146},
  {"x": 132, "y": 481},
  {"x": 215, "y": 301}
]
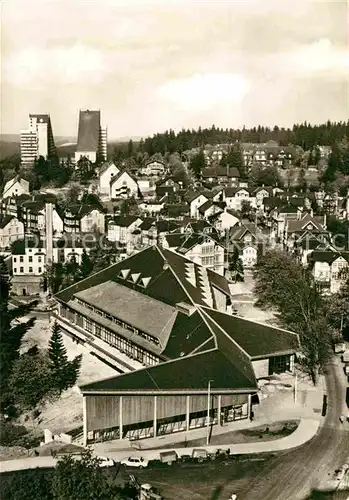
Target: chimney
[
  {"x": 49, "y": 231},
  {"x": 325, "y": 221}
]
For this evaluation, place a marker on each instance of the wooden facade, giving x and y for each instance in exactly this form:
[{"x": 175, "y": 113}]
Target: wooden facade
[{"x": 141, "y": 416}]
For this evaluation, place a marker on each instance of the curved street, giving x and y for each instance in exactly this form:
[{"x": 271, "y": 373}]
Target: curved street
[{"x": 295, "y": 474}]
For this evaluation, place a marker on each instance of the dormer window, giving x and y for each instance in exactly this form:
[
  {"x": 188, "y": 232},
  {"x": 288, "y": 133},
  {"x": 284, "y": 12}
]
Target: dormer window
[
  {"x": 124, "y": 273},
  {"x": 145, "y": 282},
  {"x": 134, "y": 277}
]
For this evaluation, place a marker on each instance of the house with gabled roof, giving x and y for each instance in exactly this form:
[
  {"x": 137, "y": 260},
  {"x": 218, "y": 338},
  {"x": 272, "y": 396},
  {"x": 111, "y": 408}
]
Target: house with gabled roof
[
  {"x": 235, "y": 196},
  {"x": 121, "y": 230},
  {"x": 209, "y": 209},
  {"x": 123, "y": 185},
  {"x": 247, "y": 237},
  {"x": 304, "y": 227},
  {"x": 204, "y": 249},
  {"x": 15, "y": 187},
  {"x": 328, "y": 267},
  {"x": 153, "y": 167},
  {"x": 83, "y": 218},
  {"x": 11, "y": 229},
  {"x": 107, "y": 171},
  {"x": 153, "y": 230},
  {"x": 164, "y": 322},
  {"x": 195, "y": 200},
  {"x": 221, "y": 175}
]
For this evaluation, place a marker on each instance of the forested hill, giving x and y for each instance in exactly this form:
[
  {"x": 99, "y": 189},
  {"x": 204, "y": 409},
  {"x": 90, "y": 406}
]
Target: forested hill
[{"x": 304, "y": 135}]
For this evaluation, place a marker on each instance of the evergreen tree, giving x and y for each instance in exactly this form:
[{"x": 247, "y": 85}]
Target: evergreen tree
[
  {"x": 30, "y": 380},
  {"x": 130, "y": 148},
  {"x": 317, "y": 157},
  {"x": 64, "y": 373}
]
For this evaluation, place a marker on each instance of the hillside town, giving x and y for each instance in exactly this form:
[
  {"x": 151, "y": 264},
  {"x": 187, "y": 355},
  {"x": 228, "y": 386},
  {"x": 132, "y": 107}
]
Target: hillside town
[
  {"x": 174, "y": 250},
  {"x": 148, "y": 263}
]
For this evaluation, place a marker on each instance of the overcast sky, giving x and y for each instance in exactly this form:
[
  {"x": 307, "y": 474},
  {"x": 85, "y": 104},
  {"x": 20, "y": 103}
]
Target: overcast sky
[{"x": 151, "y": 66}]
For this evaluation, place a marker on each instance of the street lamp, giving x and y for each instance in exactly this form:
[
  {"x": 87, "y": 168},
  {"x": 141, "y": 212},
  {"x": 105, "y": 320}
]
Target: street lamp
[{"x": 208, "y": 411}]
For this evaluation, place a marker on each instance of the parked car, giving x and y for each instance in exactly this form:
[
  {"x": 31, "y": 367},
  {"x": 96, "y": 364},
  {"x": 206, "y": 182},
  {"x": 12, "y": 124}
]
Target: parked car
[
  {"x": 200, "y": 454},
  {"x": 139, "y": 462},
  {"x": 106, "y": 462},
  {"x": 147, "y": 491}
]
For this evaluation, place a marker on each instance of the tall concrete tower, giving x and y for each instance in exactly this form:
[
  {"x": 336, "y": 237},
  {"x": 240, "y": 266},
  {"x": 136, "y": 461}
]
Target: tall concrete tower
[{"x": 92, "y": 137}]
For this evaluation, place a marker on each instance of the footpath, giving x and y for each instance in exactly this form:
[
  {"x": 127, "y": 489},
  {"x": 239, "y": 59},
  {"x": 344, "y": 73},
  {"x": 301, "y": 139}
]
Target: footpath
[{"x": 305, "y": 431}]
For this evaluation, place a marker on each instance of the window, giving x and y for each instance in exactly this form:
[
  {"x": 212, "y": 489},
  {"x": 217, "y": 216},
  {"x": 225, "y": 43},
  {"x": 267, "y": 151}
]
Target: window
[
  {"x": 30, "y": 269},
  {"x": 21, "y": 269},
  {"x": 21, "y": 258},
  {"x": 14, "y": 259},
  {"x": 207, "y": 261},
  {"x": 30, "y": 258},
  {"x": 39, "y": 259},
  {"x": 15, "y": 270},
  {"x": 88, "y": 325},
  {"x": 279, "y": 364},
  {"x": 40, "y": 270}
]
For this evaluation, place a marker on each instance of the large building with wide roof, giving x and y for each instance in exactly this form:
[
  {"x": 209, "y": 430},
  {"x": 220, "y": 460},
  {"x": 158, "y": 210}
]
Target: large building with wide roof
[{"x": 166, "y": 325}]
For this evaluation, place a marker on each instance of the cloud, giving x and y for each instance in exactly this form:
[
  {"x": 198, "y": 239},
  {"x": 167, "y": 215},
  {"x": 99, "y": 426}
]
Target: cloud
[
  {"x": 72, "y": 64},
  {"x": 204, "y": 91},
  {"x": 320, "y": 58}
]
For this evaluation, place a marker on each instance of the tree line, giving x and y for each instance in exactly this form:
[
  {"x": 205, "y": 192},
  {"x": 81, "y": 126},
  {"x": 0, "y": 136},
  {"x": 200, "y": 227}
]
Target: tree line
[{"x": 304, "y": 135}]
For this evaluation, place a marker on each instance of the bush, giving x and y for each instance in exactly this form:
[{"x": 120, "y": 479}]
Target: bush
[
  {"x": 17, "y": 435},
  {"x": 11, "y": 433}
]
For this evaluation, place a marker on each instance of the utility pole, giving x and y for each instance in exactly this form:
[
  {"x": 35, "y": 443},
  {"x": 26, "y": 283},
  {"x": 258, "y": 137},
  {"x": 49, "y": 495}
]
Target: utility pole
[{"x": 208, "y": 411}]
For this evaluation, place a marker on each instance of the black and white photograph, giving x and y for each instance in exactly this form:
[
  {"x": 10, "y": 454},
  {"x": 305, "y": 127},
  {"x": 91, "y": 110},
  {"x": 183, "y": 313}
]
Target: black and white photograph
[{"x": 174, "y": 250}]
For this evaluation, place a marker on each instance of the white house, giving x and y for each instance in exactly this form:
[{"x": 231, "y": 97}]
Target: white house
[
  {"x": 225, "y": 220},
  {"x": 208, "y": 209},
  {"x": 123, "y": 185},
  {"x": 195, "y": 201},
  {"x": 93, "y": 221},
  {"x": 261, "y": 193},
  {"x": 151, "y": 208},
  {"x": 147, "y": 188},
  {"x": 11, "y": 229},
  {"x": 84, "y": 219},
  {"x": 235, "y": 196},
  {"x": 203, "y": 249},
  {"x": 15, "y": 187},
  {"x": 154, "y": 167},
  {"x": 106, "y": 173},
  {"x": 120, "y": 229},
  {"x": 245, "y": 238},
  {"x": 327, "y": 267}
]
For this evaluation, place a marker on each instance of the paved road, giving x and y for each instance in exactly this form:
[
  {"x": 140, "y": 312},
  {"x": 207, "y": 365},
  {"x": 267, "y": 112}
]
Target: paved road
[{"x": 293, "y": 475}]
